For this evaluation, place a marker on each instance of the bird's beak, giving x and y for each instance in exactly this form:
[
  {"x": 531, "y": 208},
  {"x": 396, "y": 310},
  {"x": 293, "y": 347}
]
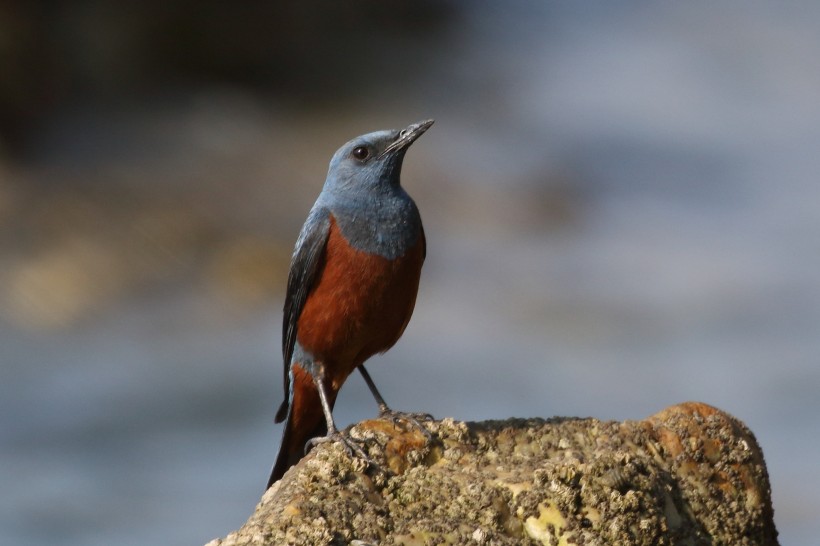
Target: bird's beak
[{"x": 408, "y": 136}]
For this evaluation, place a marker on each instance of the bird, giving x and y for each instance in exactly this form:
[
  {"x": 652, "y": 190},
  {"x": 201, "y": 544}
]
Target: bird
[{"x": 352, "y": 286}]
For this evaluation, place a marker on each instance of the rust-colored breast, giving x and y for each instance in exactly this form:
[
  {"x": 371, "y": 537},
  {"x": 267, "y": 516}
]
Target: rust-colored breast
[{"x": 359, "y": 306}]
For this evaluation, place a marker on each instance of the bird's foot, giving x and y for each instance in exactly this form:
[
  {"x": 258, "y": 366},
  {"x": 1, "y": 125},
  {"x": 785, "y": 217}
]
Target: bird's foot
[
  {"x": 414, "y": 419},
  {"x": 351, "y": 446}
]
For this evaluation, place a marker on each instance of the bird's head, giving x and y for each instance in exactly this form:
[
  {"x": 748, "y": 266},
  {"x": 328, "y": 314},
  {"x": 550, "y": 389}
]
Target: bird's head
[{"x": 372, "y": 161}]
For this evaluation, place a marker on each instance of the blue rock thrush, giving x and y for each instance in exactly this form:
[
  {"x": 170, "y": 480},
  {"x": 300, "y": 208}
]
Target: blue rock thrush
[{"x": 352, "y": 285}]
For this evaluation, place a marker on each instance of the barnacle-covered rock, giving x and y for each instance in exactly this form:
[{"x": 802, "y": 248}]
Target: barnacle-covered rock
[{"x": 690, "y": 474}]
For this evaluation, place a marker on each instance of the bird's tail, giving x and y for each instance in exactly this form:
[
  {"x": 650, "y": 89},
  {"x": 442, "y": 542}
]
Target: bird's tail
[{"x": 304, "y": 419}]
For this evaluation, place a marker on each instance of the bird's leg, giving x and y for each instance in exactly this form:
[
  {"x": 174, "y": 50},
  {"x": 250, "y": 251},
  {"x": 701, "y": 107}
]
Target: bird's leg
[
  {"x": 393, "y": 415},
  {"x": 333, "y": 434},
  {"x": 319, "y": 381},
  {"x": 383, "y": 407}
]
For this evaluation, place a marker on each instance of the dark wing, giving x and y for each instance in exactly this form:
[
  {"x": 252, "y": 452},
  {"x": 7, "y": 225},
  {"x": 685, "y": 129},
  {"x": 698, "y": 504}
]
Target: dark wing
[
  {"x": 423, "y": 241},
  {"x": 306, "y": 263}
]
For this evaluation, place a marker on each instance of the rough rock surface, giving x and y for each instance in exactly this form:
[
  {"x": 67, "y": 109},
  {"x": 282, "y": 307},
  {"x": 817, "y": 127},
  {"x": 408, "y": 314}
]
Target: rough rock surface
[{"x": 689, "y": 475}]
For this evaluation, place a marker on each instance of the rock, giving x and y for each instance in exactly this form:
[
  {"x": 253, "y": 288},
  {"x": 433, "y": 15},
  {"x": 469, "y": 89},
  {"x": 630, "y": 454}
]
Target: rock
[{"x": 689, "y": 475}]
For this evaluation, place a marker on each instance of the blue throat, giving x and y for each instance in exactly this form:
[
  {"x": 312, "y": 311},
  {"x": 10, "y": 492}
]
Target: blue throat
[{"x": 386, "y": 223}]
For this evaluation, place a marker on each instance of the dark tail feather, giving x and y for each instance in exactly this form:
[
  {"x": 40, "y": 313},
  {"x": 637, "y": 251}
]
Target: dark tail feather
[
  {"x": 293, "y": 449},
  {"x": 282, "y": 412},
  {"x": 304, "y": 419}
]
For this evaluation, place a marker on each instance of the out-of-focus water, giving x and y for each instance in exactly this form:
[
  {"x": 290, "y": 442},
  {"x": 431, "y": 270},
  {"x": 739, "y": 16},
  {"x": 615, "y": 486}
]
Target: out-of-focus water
[{"x": 622, "y": 211}]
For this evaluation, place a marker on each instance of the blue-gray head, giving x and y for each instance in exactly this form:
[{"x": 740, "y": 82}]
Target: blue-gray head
[{"x": 372, "y": 161}]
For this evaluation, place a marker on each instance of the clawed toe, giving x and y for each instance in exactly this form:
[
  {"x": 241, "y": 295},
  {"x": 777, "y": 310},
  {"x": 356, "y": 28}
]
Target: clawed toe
[
  {"x": 414, "y": 419},
  {"x": 351, "y": 447}
]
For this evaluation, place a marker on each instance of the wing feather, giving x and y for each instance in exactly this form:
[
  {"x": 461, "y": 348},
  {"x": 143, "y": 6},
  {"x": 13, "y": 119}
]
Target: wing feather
[{"x": 307, "y": 261}]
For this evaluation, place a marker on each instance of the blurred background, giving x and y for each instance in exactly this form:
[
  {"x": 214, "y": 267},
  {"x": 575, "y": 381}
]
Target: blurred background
[{"x": 621, "y": 204}]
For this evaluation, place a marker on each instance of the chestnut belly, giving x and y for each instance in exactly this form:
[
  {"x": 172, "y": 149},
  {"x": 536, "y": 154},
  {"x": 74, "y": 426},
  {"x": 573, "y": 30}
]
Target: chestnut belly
[{"x": 359, "y": 305}]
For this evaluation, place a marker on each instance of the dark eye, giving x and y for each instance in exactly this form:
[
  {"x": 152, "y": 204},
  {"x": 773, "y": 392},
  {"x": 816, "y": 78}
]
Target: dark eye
[{"x": 361, "y": 153}]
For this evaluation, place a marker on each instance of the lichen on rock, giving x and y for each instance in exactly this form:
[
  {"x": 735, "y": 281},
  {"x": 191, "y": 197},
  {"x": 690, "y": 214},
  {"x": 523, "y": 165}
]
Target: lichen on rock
[{"x": 689, "y": 475}]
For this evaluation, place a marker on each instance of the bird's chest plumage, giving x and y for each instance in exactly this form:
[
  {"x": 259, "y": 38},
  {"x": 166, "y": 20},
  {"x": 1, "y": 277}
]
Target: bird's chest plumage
[
  {"x": 361, "y": 301},
  {"x": 385, "y": 225}
]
